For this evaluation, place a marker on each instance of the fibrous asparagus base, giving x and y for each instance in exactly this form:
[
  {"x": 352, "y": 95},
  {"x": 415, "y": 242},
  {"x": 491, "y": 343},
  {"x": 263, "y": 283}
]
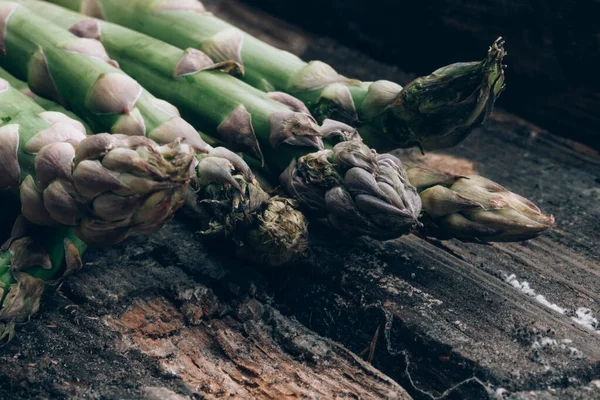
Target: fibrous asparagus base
[
  {"x": 30, "y": 259},
  {"x": 475, "y": 208},
  {"x": 431, "y": 112},
  {"x": 78, "y": 73},
  {"x": 104, "y": 186},
  {"x": 345, "y": 183}
]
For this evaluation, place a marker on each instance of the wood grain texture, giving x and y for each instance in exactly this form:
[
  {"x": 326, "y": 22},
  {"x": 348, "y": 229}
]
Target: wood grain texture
[{"x": 142, "y": 322}]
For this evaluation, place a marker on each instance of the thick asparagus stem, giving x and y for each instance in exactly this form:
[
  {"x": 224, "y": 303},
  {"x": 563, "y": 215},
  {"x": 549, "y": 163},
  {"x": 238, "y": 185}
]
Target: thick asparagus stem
[
  {"x": 346, "y": 184},
  {"x": 435, "y": 111},
  {"x": 32, "y": 258},
  {"x": 104, "y": 186},
  {"x": 78, "y": 73},
  {"x": 46, "y": 104}
]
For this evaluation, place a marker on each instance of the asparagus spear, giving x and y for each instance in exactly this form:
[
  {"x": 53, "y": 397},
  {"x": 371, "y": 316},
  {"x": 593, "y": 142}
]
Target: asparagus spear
[
  {"x": 30, "y": 259},
  {"x": 473, "y": 207},
  {"x": 78, "y": 73},
  {"x": 103, "y": 186},
  {"x": 434, "y": 111},
  {"x": 346, "y": 184}
]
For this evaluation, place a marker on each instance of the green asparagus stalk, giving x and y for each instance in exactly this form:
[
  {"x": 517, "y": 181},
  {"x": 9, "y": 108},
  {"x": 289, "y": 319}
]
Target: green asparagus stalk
[
  {"x": 431, "y": 112},
  {"x": 344, "y": 182},
  {"x": 475, "y": 208},
  {"x": 78, "y": 73},
  {"x": 103, "y": 186},
  {"x": 29, "y": 260},
  {"x": 46, "y": 104}
]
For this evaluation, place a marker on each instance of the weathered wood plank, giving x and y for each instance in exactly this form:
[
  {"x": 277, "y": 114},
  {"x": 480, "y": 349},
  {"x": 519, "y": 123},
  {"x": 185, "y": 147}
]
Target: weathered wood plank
[
  {"x": 450, "y": 306},
  {"x": 135, "y": 324}
]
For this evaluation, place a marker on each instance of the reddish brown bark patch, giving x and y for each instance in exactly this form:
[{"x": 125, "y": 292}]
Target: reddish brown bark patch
[{"x": 243, "y": 357}]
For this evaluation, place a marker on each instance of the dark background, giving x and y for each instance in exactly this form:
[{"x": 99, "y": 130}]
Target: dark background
[{"x": 553, "y": 75}]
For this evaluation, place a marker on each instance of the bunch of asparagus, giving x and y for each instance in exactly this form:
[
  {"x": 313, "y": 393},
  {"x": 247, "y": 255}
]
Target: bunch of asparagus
[
  {"x": 105, "y": 74},
  {"x": 471, "y": 211},
  {"x": 78, "y": 73},
  {"x": 340, "y": 183}
]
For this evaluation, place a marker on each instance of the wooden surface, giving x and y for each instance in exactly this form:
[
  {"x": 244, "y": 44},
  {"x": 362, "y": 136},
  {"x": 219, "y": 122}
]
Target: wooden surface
[
  {"x": 171, "y": 315},
  {"x": 159, "y": 318},
  {"x": 553, "y": 47}
]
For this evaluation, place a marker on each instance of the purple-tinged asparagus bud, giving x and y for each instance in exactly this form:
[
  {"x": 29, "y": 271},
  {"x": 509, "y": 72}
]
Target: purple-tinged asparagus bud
[
  {"x": 238, "y": 133},
  {"x": 194, "y": 60},
  {"x": 131, "y": 124},
  {"x": 90, "y": 47},
  {"x": 339, "y": 95},
  {"x": 225, "y": 45},
  {"x": 191, "y": 62},
  {"x": 89, "y": 28},
  {"x": 295, "y": 129},
  {"x": 293, "y": 103},
  {"x": 104, "y": 186},
  {"x": 380, "y": 95},
  {"x": 113, "y": 93},
  {"x": 215, "y": 169},
  {"x": 356, "y": 190},
  {"x": 177, "y": 128},
  {"x": 316, "y": 75},
  {"x": 39, "y": 79}
]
